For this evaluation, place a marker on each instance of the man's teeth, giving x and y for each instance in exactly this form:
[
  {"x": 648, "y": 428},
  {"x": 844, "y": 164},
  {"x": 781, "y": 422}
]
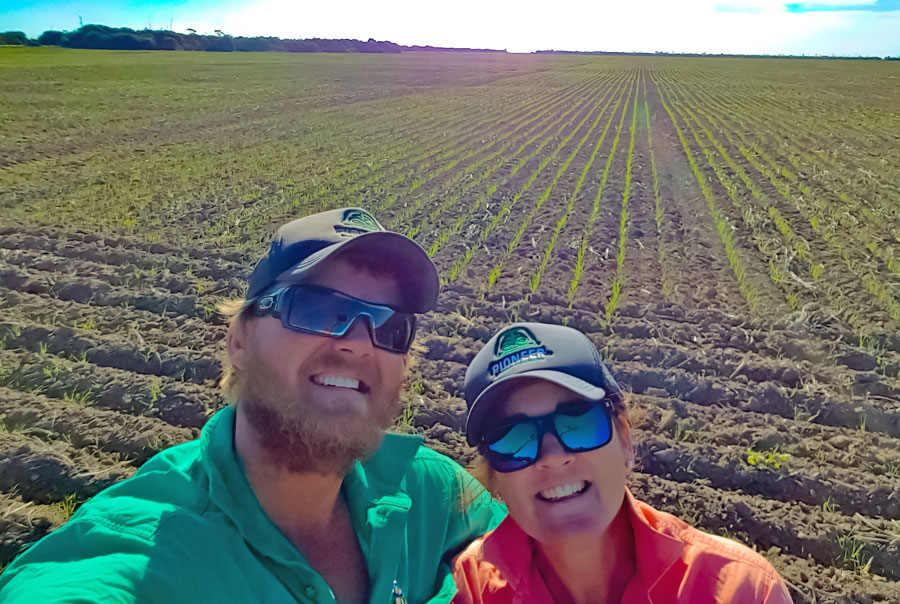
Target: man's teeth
[
  {"x": 337, "y": 381},
  {"x": 563, "y": 491}
]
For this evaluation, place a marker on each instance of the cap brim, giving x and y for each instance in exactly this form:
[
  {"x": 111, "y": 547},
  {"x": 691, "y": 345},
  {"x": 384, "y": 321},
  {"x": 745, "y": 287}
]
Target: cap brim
[
  {"x": 415, "y": 272},
  {"x": 482, "y": 405}
]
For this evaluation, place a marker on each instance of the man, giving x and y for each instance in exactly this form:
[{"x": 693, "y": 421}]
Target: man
[{"x": 293, "y": 493}]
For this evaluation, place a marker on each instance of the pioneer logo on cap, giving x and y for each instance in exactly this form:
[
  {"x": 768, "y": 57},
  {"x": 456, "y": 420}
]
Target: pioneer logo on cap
[
  {"x": 513, "y": 346},
  {"x": 357, "y": 222}
]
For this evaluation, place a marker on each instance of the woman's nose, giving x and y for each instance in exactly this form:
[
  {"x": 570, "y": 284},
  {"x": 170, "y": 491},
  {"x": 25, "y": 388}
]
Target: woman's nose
[{"x": 553, "y": 453}]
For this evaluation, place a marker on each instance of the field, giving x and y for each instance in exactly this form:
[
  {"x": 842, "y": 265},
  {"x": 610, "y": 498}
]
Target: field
[{"x": 727, "y": 232}]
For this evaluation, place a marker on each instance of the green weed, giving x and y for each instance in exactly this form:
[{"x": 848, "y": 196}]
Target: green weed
[{"x": 771, "y": 458}]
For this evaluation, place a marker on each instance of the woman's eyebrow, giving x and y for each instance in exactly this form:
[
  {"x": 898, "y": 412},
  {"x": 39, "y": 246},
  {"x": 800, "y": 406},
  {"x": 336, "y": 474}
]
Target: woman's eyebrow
[{"x": 515, "y": 418}]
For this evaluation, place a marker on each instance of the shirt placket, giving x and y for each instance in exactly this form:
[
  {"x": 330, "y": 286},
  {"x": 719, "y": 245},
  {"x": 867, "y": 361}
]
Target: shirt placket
[{"x": 386, "y": 555}]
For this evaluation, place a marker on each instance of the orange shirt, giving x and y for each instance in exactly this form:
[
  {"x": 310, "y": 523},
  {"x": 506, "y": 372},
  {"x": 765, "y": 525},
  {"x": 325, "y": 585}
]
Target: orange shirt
[{"x": 674, "y": 564}]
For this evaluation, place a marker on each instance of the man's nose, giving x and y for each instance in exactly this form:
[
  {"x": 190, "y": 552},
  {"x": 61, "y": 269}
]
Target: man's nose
[{"x": 357, "y": 339}]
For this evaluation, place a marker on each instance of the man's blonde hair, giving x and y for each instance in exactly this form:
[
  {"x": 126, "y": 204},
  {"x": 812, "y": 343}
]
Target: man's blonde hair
[{"x": 236, "y": 311}]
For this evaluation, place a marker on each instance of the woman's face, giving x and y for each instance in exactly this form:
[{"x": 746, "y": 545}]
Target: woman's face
[{"x": 597, "y": 477}]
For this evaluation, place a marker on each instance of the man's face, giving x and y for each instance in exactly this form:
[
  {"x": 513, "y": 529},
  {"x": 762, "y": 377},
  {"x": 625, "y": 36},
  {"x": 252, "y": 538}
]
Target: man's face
[{"x": 318, "y": 403}]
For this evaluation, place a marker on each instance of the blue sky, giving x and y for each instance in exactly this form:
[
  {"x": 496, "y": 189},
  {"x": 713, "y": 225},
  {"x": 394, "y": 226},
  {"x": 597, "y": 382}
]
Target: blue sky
[{"x": 842, "y": 27}]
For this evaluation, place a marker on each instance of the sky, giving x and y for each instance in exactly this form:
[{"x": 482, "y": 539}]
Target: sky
[{"x": 825, "y": 27}]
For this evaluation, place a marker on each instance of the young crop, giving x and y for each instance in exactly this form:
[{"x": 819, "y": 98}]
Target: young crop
[
  {"x": 68, "y": 505},
  {"x": 507, "y": 206},
  {"x": 589, "y": 226},
  {"x": 750, "y": 292},
  {"x": 668, "y": 289},
  {"x": 828, "y": 221},
  {"x": 498, "y": 266},
  {"x": 619, "y": 279},
  {"x": 852, "y": 556},
  {"x": 535, "y": 280},
  {"x": 481, "y": 200},
  {"x": 500, "y": 158}
]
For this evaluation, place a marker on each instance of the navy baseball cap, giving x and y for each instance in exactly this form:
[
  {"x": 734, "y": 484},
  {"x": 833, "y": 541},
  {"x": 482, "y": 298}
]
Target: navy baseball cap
[
  {"x": 302, "y": 247},
  {"x": 554, "y": 353}
]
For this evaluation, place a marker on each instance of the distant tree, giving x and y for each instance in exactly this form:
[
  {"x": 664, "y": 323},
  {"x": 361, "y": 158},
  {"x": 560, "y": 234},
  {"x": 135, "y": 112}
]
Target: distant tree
[
  {"x": 168, "y": 42},
  {"x": 301, "y": 46},
  {"x": 123, "y": 41},
  {"x": 52, "y": 38},
  {"x": 124, "y": 38},
  {"x": 219, "y": 44},
  {"x": 14, "y": 38},
  {"x": 254, "y": 44}
]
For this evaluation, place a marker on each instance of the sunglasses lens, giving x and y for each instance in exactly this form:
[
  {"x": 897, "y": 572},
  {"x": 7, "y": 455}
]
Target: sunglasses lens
[
  {"x": 316, "y": 311},
  {"x": 396, "y": 332},
  {"x": 513, "y": 447},
  {"x": 583, "y": 427},
  {"x": 327, "y": 312}
]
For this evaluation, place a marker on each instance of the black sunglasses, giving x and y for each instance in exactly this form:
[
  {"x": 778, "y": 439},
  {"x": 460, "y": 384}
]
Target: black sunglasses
[
  {"x": 327, "y": 312},
  {"x": 578, "y": 426}
]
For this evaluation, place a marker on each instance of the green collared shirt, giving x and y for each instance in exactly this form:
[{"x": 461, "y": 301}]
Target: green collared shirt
[{"x": 188, "y": 528}]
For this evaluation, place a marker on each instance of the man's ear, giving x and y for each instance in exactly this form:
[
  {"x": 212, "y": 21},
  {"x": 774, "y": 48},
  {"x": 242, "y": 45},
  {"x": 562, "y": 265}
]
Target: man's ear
[{"x": 237, "y": 340}]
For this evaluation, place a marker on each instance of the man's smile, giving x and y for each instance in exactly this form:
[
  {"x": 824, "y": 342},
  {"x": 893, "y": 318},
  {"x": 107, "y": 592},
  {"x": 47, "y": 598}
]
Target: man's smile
[{"x": 337, "y": 381}]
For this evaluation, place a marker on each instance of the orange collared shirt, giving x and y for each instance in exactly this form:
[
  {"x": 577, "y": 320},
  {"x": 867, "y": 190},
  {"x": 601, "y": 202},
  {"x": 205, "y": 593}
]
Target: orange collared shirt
[{"x": 675, "y": 564}]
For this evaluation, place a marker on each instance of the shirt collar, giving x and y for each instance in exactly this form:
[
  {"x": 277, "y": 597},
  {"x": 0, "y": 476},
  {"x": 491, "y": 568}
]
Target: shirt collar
[
  {"x": 655, "y": 551},
  {"x": 512, "y": 551},
  {"x": 375, "y": 484}
]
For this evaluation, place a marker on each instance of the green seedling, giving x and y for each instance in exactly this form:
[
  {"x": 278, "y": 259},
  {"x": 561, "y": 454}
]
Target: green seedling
[
  {"x": 771, "y": 458},
  {"x": 69, "y": 505},
  {"x": 851, "y": 548},
  {"x": 82, "y": 399}
]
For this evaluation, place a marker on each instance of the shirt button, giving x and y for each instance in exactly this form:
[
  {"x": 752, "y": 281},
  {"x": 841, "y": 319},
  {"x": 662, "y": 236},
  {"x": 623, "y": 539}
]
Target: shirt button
[{"x": 310, "y": 591}]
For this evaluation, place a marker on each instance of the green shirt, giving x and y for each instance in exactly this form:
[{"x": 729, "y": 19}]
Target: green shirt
[{"x": 188, "y": 528}]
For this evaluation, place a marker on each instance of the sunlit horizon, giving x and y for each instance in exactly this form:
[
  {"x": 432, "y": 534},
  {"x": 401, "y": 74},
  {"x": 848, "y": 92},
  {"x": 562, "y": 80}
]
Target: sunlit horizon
[{"x": 846, "y": 28}]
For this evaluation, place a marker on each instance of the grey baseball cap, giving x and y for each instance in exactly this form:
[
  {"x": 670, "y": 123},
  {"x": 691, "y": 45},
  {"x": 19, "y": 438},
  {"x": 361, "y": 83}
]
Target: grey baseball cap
[
  {"x": 554, "y": 353},
  {"x": 302, "y": 247}
]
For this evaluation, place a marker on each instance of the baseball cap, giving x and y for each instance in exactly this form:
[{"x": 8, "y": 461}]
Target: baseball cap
[
  {"x": 554, "y": 353},
  {"x": 302, "y": 247}
]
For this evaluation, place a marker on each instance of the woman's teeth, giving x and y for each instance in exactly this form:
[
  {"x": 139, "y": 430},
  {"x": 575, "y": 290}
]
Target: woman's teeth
[
  {"x": 563, "y": 491},
  {"x": 336, "y": 381}
]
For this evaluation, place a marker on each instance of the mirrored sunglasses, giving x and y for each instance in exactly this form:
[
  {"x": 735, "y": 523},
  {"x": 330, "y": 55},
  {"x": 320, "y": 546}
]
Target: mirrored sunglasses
[
  {"x": 578, "y": 426},
  {"x": 327, "y": 312}
]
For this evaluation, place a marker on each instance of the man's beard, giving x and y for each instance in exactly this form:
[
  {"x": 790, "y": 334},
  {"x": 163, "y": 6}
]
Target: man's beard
[{"x": 299, "y": 436}]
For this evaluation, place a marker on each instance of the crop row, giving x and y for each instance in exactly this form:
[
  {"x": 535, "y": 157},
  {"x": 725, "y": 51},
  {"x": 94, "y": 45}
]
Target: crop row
[
  {"x": 523, "y": 226},
  {"x": 807, "y": 206},
  {"x": 472, "y": 179},
  {"x": 506, "y": 206}
]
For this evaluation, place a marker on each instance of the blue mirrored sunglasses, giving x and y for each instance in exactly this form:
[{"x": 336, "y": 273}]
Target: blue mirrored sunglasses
[
  {"x": 323, "y": 311},
  {"x": 578, "y": 426}
]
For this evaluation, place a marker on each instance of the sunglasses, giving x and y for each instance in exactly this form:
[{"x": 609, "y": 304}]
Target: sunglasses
[
  {"x": 323, "y": 311},
  {"x": 578, "y": 426}
]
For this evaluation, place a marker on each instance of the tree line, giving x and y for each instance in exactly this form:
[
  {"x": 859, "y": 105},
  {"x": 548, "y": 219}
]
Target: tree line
[{"x": 124, "y": 38}]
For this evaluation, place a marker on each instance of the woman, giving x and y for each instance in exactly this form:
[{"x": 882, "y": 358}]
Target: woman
[{"x": 550, "y": 422}]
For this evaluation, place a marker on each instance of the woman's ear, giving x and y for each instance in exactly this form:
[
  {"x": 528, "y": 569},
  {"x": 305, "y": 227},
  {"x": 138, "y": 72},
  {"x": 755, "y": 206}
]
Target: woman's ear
[{"x": 623, "y": 429}]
